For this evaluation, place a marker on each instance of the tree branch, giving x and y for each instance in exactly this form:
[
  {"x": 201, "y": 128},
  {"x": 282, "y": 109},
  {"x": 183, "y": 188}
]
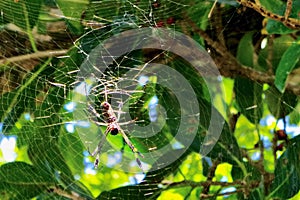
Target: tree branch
[
  {"x": 239, "y": 184},
  {"x": 289, "y": 22},
  {"x": 230, "y": 67},
  {"x": 203, "y": 184},
  {"x": 63, "y": 193},
  {"x": 40, "y": 54}
]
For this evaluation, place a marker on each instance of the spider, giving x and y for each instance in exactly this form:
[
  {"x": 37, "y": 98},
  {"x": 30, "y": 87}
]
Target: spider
[{"x": 113, "y": 128}]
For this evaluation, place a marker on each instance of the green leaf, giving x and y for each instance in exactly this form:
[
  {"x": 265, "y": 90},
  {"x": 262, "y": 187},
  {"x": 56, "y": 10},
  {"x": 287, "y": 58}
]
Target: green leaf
[
  {"x": 294, "y": 152},
  {"x": 287, "y": 172},
  {"x": 73, "y": 10},
  {"x": 279, "y": 7},
  {"x": 249, "y": 99},
  {"x": 272, "y": 5},
  {"x": 199, "y": 12},
  {"x": 286, "y": 65},
  {"x": 245, "y": 52},
  {"x": 276, "y": 27},
  {"x": 226, "y": 139},
  {"x": 22, "y": 13},
  {"x": 209, "y": 120},
  {"x": 105, "y": 11},
  {"x": 248, "y": 93},
  {"x": 270, "y": 57},
  {"x": 149, "y": 186},
  {"x": 11, "y": 109},
  {"x": 22, "y": 97},
  {"x": 280, "y": 105},
  {"x": 72, "y": 148},
  {"x": 19, "y": 180},
  {"x": 254, "y": 173},
  {"x": 46, "y": 155}
]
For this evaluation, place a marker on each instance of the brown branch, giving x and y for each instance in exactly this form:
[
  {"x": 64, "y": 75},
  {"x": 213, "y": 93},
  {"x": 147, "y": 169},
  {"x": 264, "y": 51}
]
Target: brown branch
[
  {"x": 37, "y": 55},
  {"x": 239, "y": 184},
  {"x": 204, "y": 184},
  {"x": 208, "y": 196},
  {"x": 289, "y": 22},
  {"x": 288, "y": 9},
  {"x": 63, "y": 193},
  {"x": 230, "y": 67},
  {"x": 210, "y": 177},
  {"x": 227, "y": 70}
]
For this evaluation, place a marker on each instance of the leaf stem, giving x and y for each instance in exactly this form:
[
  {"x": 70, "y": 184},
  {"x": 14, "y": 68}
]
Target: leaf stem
[{"x": 28, "y": 28}]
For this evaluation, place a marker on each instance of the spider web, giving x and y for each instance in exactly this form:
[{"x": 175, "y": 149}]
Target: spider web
[{"x": 44, "y": 103}]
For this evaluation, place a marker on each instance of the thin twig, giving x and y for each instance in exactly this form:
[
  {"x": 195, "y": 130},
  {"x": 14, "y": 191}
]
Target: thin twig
[
  {"x": 208, "y": 196},
  {"x": 28, "y": 27},
  {"x": 72, "y": 195},
  {"x": 204, "y": 183},
  {"x": 288, "y": 9},
  {"x": 239, "y": 184},
  {"x": 39, "y": 54},
  {"x": 289, "y": 22},
  {"x": 212, "y": 9},
  {"x": 210, "y": 177}
]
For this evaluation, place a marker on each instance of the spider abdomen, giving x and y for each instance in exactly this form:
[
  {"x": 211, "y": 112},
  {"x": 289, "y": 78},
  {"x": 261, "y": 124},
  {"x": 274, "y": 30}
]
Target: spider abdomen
[{"x": 114, "y": 129}]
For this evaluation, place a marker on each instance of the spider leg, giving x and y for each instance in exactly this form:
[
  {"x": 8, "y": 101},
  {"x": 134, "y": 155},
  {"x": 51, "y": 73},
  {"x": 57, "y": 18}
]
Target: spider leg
[
  {"x": 131, "y": 146},
  {"x": 99, "y": 147}
]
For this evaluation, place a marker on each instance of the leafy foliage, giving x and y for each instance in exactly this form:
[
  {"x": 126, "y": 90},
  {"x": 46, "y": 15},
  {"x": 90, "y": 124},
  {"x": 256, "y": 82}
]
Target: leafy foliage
[
  {"x": 261, "y": 84},
  {"x": 286, "y": 182}
]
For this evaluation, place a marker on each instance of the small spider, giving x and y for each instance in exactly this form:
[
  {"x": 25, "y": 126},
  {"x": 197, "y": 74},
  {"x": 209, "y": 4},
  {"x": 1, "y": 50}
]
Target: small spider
[{"x": 113, "y": 128}]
